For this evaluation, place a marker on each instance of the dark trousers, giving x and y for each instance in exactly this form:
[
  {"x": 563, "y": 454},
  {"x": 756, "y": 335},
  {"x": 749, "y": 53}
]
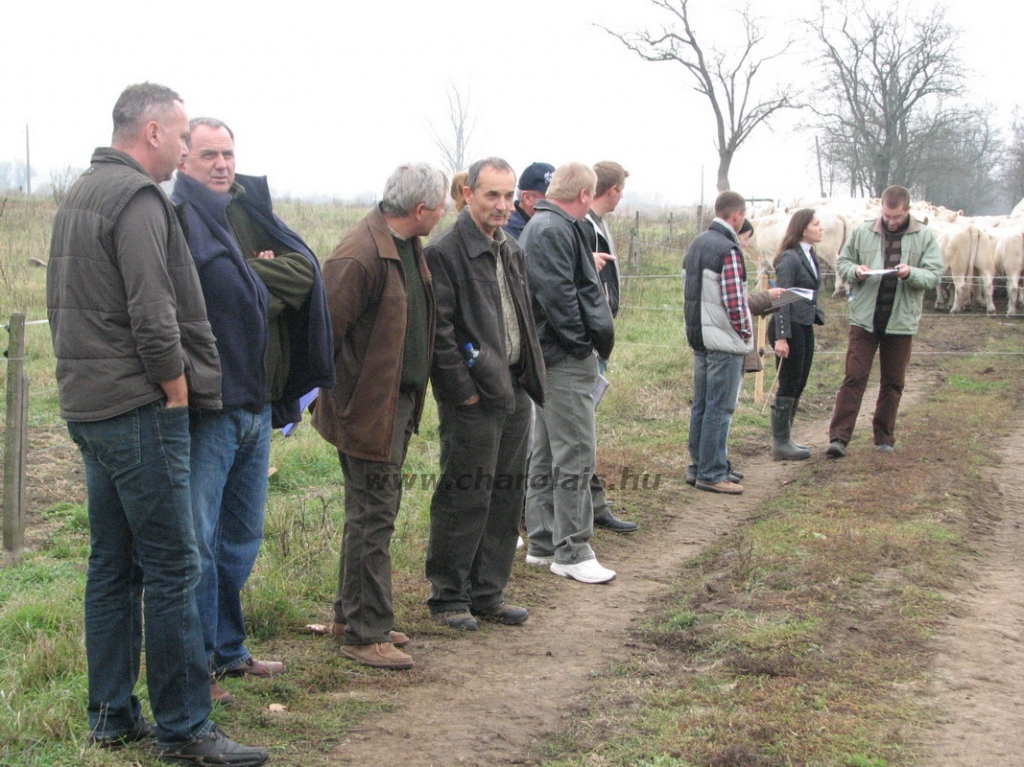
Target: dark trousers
[
  {"x": 893, "y": 356},
  {"x": 373, "y": 493},
  {"x": 475, "y": 510},
  {"x": 794, "y": 369}
]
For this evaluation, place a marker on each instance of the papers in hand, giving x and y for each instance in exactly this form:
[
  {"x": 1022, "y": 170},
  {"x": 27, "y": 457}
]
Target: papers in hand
[
  {"x": 792, "y": 295},
  {"x": 879, "y": 271},
  {"x": 600, "y": 387},
  {"x": 800, "y": 293}
]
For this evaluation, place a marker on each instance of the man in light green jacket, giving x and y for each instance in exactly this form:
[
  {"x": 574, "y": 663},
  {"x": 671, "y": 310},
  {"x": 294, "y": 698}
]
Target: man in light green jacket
[{"x": 890, "y": 263}]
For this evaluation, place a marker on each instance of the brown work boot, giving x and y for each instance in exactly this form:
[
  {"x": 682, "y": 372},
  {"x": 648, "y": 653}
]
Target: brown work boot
[
  {"x": 218, "y": 695},
  {"x": 398, "y": 639},
  {"x": 379, "y": 655},
  {"x": 725, "y": 486}
]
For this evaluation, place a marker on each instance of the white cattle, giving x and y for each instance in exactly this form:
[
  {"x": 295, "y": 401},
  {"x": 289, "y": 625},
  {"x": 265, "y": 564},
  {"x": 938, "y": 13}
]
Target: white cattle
[
  {"x": 1009, "y": 260},
  {"x": 966, "y": 249},
  {"x": 767, "y": 237},
  {"x": 769, "y": 232},
  {"x": 1018, "y": 210}
]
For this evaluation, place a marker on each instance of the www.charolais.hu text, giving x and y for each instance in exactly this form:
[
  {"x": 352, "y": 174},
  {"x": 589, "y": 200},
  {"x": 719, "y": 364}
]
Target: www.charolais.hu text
[{"x": 481, "y": 480}]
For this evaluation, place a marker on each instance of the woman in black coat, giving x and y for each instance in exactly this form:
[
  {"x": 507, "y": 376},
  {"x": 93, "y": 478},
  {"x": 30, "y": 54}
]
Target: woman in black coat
[{"x": 792, "y": 329}]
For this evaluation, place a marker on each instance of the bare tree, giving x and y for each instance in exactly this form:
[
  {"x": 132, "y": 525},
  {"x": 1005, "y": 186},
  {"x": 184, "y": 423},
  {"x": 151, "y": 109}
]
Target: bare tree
[
  {"x": 453, "y": 142},
  {"x": 960, "y": 168},
  {"x": 1012, "y": 170},
  {"x": 61, "y": 180},
  {"x": 725, "y": 77},
  {"x": 889, "y": 78}
]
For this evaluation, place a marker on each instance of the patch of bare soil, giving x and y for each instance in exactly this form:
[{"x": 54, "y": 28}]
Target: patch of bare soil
[
  {"x": 497, "y": 696},
  {"x": 977, "y": 691}
]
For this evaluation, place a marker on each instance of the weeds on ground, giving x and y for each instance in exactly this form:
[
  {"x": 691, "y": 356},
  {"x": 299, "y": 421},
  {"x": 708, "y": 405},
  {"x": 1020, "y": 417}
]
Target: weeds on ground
[{"x": 803, "y": 638}]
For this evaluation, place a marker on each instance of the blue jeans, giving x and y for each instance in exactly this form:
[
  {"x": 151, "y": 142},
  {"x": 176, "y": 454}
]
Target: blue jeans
[
  {"x": 230, "y": 456},
  {"x": 716, "y": 383},
  {"x": 142, "y": 540}
]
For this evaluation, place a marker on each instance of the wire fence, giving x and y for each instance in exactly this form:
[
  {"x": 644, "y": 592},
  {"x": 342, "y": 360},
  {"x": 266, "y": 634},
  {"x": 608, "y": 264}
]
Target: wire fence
[{"x": 18, "y": 455}]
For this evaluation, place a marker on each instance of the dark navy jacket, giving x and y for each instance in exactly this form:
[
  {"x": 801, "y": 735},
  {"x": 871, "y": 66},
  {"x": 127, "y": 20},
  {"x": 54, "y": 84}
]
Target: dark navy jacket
[{"x": 237, "y": 299}]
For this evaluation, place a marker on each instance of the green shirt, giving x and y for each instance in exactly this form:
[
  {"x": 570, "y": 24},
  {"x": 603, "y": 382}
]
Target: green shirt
[
  {"x": 289, "y": 278},
  {"x": 415, "y": 365}
]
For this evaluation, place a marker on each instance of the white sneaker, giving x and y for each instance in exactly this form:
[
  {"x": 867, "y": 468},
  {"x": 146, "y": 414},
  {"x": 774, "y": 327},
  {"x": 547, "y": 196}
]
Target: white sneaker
[
  {"x": 588, "y": 571},
  {"x": 520, "y": 543},
  {"x": 540, "y": 561}
]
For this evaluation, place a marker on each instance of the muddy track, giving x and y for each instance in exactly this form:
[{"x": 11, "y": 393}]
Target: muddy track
[
  {"x": 978, "y": 689},
  {"x": 495, "y": 697}
]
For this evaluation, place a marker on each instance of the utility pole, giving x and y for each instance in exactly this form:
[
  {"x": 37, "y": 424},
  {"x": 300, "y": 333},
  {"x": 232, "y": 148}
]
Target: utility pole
[{"x": 28, "y": 165}]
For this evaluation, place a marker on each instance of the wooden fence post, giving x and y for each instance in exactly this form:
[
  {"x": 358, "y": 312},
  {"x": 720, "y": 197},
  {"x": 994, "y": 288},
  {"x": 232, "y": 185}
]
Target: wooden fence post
[
  {"x": 633, "y": 250},
  {"x": 759, "y": 340},
  {"x": 16, "y": 441}
]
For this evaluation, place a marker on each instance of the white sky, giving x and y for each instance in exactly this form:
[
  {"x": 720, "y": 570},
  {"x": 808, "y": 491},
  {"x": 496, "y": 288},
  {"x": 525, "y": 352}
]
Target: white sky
[{"x": 327, "y": 97}]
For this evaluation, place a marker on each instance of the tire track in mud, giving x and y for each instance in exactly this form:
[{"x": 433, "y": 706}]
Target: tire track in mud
[{"x": 978, "y": 690}]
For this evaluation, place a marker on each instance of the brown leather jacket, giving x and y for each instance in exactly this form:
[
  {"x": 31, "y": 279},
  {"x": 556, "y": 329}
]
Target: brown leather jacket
[{"x": 366, "y": 298}]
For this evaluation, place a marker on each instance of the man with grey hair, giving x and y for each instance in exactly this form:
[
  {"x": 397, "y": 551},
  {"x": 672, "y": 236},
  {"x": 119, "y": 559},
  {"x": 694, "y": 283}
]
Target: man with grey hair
[
  {"x": 266, "y": 304},
  {"x": 574, "y": 324},
  {"x": 381, "y": 301},
  {"x": 125, "y": 387},
  {"x": 487, "y": 368}
]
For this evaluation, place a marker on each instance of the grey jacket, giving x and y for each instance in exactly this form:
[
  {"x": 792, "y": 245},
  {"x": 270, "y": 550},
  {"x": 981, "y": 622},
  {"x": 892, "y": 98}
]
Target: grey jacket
[{"x": 125, "y": 305}]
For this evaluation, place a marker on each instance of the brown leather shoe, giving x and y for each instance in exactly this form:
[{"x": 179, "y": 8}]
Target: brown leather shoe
[
  {"x": 380, "y": 655},
  {"x": 218, "y": 695},
  {"x": 398, "y": 639},
  {"x": 725, "y": 486},
  {"x": 252, "y": 667}
]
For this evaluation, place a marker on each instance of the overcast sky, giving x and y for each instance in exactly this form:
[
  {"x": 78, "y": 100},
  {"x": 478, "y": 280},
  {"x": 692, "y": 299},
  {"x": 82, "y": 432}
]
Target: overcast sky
[{"x": 327, "y": 97}]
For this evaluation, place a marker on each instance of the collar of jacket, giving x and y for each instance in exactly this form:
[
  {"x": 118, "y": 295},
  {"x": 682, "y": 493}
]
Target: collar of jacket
[
  {"x": 553, "y": 208},
  {"x": 117, "y": 157},
  {"x": 477, "y": 243},
  {"x": 203, "y": 199},
  {"x": 912, "y": 226},
  {"x": 382, "y": 237},
  {"x": 717, "y": 226}
]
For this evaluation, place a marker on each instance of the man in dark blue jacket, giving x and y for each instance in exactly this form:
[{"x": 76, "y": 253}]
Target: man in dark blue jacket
[{"x": 265, "y": 301}]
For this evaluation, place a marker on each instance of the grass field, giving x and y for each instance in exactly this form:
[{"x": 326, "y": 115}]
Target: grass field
[{"x": 881, "y": 548}]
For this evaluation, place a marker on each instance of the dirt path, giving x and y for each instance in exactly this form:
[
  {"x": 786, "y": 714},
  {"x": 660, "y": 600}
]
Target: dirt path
[
  {"x": 495, "y": 697},
  {"x": 978, "y": 693}
]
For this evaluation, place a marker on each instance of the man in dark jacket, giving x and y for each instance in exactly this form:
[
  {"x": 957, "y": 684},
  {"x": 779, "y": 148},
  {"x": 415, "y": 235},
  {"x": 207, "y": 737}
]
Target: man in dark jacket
[
  {"x": 719, "y": 329},
  {"x": 574, "y": 324},
  {"x": 381, "y": 298},
  {"x": 266, "y": 304},
  {"x": 125, "y": 385},
  {"x": 487, "y": 367},
  {"x": 611, "y": 181},
  {"x": 533, "y": 185}
]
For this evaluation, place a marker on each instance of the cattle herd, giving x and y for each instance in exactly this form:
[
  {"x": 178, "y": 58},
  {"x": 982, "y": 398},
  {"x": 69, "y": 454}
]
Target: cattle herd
[{"x": 976, "y": 250}]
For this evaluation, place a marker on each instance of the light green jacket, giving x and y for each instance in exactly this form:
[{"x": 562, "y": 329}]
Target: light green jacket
[{"x": 919, "y": 250}]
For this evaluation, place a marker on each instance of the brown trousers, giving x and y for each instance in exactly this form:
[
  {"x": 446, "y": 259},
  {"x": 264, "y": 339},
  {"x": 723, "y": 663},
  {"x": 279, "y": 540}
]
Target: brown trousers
[{"x": 894, "y": 356}]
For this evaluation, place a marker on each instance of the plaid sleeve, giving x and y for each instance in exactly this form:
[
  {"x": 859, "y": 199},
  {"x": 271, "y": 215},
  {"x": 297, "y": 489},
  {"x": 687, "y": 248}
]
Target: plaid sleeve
[{"x": 734, "y": 294}]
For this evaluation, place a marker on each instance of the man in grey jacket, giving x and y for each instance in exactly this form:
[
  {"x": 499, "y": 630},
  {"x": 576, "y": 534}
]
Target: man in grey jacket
[
  {"x": 573, "y": 322},
  {"x": 125, "y": 384}
]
